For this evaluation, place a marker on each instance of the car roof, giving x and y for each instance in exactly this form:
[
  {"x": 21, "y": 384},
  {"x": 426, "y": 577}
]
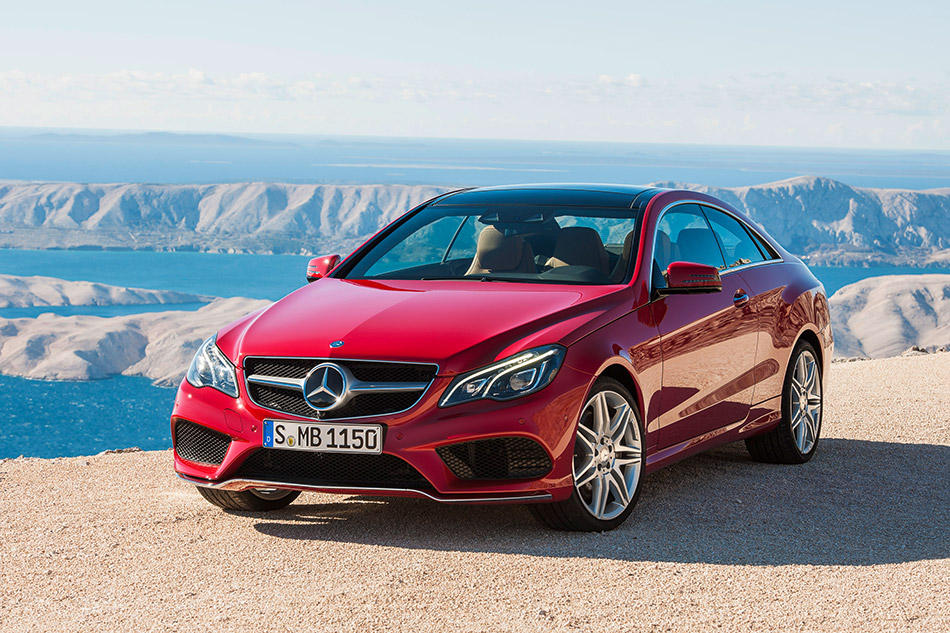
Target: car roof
[{"x": 559, "y": 194}]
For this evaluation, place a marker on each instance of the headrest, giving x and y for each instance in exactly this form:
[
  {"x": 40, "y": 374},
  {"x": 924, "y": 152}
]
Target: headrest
[
  {"x": 497, "y": 251},
  {"x": 580, "y": 246},
  {"x": 663, "y": 250}
]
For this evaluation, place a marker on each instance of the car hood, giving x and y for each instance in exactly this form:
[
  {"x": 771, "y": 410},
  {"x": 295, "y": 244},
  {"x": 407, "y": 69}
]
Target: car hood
[{"x": 457, "y": 324}]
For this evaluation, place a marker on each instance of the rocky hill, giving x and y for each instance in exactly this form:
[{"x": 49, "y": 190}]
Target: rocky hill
[
  {"x": 16, "y": 292},
  {"x": 883, "y": 316},
  {"x": 157, "y": 345},
  {"x": 826, "y": 221},
  {"x": 829, "y": 222},
  {"x": 245, "y": 217}
]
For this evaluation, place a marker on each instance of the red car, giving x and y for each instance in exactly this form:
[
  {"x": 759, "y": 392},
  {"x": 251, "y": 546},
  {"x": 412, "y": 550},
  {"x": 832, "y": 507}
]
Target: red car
[{"x": 546, "y": 345}]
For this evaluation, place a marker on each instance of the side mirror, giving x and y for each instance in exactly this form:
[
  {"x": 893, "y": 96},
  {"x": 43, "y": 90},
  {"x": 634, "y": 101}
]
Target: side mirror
[
  {"x": 691, "y": 278},
  {"x": 321, "y": 266}
]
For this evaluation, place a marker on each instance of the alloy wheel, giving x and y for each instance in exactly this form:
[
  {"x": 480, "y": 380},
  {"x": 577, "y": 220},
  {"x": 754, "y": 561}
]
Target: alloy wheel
[
  {"x": 805, "y": 402},
  {"x": 607, "y": 455}
]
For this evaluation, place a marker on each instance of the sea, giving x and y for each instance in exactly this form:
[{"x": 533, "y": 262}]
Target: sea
[{"x": 62, "y": 419}]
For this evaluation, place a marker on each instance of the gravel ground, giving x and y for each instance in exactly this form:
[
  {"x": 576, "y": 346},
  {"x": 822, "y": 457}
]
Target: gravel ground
[{"x": 856, "y": 540}]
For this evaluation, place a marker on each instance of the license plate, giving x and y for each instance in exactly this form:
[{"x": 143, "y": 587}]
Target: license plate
[{"x": 323, "y": 438}]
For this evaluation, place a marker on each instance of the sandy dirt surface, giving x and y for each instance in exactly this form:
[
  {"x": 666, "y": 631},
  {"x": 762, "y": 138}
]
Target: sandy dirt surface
[{"x": 856, "y": 540}]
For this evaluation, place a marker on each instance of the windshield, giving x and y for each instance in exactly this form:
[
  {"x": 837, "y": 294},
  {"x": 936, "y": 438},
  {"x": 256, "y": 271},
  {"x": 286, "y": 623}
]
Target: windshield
[{"x": 517, "y": 243}]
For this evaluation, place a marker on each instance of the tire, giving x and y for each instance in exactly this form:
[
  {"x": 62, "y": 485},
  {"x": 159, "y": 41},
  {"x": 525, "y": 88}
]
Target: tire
[
  {"x": 608, "y": 464},
  {"x": 252, "y": 500},
  {"x": 795, "y": 439}
]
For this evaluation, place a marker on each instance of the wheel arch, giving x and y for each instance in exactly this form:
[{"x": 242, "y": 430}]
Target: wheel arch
[
  {"x": 625, "y": 377},
  {"x": 812, "y": 337}
]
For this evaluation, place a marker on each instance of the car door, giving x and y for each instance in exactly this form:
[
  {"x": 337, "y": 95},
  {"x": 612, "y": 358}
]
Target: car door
[
  {"x": 708, "y": 341},
  {"x": 749, "y": 255}
]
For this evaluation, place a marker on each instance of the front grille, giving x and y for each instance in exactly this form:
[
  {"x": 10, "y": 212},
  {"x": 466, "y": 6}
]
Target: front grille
[
  {"x": 497, "y": 458},
  {"x": 369, "y": 371},
  {"x": 331, "y": 469},
  {"x": 365, "y": 404},
  {"x": 291, "y": 400},
  {"x": 200, "y": 444}
]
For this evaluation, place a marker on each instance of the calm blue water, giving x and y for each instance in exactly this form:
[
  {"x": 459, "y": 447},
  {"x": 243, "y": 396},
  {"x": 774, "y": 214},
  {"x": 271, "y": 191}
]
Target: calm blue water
[
  {"x": 232, "y": 275},
  {"x": 30, "y": 154},
  {"x": 64, "y": 419},
  {"x": 219, "y": 275}
]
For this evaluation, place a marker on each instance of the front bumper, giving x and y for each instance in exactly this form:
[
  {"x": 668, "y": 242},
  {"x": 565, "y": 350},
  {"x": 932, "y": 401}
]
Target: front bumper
[
  {"x": 547, "y": 417},
  {"x": 244, "y": 484}
]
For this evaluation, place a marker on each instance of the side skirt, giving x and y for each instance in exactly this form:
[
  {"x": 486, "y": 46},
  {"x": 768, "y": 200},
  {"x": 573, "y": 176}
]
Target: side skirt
[{"x": 762, "y": 418}]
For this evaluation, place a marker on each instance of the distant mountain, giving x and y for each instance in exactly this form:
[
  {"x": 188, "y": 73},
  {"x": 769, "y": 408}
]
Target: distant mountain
[
  {"x": 830, "y": 223},
  {"x": 884, "y": 316},
  {"x": 825, "y": 221},
  {"x": 245, "y": 217}
]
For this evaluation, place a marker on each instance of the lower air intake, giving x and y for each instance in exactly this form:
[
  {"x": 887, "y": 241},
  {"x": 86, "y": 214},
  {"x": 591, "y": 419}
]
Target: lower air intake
[
  {"x": 331, "y": 469},
  {"x": 200, "y": 444},
  {"x": 497, "y": 458}
]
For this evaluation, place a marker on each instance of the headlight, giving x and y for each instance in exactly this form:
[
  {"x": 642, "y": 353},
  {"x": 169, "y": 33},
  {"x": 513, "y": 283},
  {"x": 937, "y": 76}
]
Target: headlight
[
  {"x": 211, "y": 368},
  {"x": 510, "y": 378}
]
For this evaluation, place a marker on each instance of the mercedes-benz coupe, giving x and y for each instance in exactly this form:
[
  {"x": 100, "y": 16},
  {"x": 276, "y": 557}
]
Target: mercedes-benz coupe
[{"x": 547, "y": 345}]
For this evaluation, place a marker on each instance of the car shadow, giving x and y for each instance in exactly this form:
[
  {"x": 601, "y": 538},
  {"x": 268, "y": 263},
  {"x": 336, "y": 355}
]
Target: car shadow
[{"x": 856, "y": 503}]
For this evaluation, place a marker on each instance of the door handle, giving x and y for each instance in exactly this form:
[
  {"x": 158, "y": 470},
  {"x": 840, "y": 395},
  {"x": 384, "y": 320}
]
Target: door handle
[{"x": 740, "y": 298}]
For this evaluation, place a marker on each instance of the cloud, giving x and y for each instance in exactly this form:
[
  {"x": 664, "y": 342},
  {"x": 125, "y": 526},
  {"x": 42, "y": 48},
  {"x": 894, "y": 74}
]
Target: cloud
[{"x": 762, "y": 108}]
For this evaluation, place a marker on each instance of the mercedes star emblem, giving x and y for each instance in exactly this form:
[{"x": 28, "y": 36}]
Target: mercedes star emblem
[{"x": 325, "y": 387}]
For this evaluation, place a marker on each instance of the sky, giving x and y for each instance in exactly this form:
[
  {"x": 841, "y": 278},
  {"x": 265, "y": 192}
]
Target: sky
[{"x": 821, "y": 74}]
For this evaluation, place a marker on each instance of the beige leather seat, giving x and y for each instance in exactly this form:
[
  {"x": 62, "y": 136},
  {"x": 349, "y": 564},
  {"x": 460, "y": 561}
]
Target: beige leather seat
[
  {"x": 579, "y": 246},
  {"x": 497, "y": 252}
]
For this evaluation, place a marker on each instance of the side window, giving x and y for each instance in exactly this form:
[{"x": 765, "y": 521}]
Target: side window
[
  {"x": 767, "y": 249},
  {"x": 684, "y": 235},
  {"x": 738, "y": 247},
  {"x": 426, "y": 246}
]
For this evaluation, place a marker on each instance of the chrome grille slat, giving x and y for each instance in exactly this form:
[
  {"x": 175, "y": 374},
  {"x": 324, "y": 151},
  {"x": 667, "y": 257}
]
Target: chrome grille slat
[{"x": 378, "y": 388}]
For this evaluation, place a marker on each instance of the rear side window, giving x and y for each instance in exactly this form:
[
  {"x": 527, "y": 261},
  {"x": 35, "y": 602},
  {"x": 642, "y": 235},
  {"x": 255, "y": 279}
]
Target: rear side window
[
  {"x": 738, "y": 247},
  {"x": 684, "y": 235}
]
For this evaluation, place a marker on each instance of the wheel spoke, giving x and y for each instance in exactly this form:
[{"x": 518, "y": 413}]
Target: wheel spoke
[
  {"x": 599, "y": 500},
  {"x": 587, "y": 437},
  {"x": 618, "y": 423},
  {"x": 632, "y": 447},
  {"x": 586, "y": 474},
  {"x": 616, "y": 482},
  {"x": 601, "y": 414},
  {"x": 812, "y": 427},
  {"x": 811, "y": 373},
  {"x": 801, "y": 430},
  {"x": 625, "y": 461}
]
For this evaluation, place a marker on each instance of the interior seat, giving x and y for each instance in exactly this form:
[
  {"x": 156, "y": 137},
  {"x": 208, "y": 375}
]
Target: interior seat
[
  {"x": 580, "y": 246},
  {"x": 620, "y": 269},
  {"x": 497, "y": 252}
]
